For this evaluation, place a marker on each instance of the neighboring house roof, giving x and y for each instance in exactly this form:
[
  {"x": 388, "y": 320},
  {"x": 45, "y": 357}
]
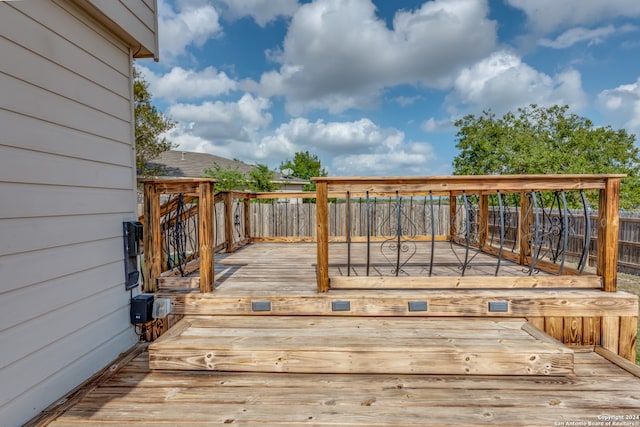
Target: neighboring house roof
[{"x": 192, "y": 165}]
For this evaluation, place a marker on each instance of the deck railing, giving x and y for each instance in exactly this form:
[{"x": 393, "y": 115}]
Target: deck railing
[
  {"x": 530, "y": 220},
  {"x": 178, "y": 229},
  {"x": 543, "y": 223}
]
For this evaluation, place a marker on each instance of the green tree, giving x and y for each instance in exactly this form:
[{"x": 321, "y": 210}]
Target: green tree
[
  {"x": 150, "y": 125},
  {"x": 228, "y": 178},
  {"x": 538, "y": 140},
  {"x": 261, "y": 179},
  {"x": 304, "y": 166}
]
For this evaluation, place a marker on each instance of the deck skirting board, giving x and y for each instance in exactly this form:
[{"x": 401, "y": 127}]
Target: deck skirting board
[{"x": 442, "y": 303}]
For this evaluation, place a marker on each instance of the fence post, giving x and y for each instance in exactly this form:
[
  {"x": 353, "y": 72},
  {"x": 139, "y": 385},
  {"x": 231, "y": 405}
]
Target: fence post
[
  {"x": 206, "y": 243},
  {"x": 322, "y": 235},
  {"x": 247, "y": 218},
  {"x": 608, "y": 229},
  {"x": 152, "y": 237},
  {"x": 228, "y": 220}
]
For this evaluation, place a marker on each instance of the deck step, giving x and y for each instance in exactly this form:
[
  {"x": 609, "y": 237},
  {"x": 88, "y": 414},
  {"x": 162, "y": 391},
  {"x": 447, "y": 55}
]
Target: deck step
[{"x": 389, "y": 345}]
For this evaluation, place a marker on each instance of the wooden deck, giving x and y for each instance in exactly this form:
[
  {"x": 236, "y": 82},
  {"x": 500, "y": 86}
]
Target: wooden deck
[
  {"x": 400, "y": 377},
  {"x": 290, "y": 269},
  {"x": 390, "y": 345},
  {"x": 135, "y": 395}
]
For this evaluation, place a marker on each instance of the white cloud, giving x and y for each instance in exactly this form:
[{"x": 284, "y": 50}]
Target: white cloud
[
  {"x": 407, "y": 100},
  {"x": 191, "y": 24},
  {"x": 228, "y": 129},
  {"x": 546, "y": 16},
  {"x": 238, "y": 130},
  {"x": 349, "y": 148},
  {"x": 577, "y": 35},
  {"x": 580, "y": 34},
  {"x": 179, "y": 83},
  {"x": 334, "y": 138},
  {"x": 437, "y": 125},
  {"x": 622, "y": 105},
  {"x": 262, "y": 11},
  {"x": 502, "y": 82},
  {"x": 416, "y": 159},
  {"x": 339, "y": 55}
]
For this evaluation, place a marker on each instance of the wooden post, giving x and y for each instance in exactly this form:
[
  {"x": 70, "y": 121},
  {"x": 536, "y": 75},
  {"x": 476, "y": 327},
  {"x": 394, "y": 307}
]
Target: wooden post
[
  {"x": 152, "y": 238},
  {"x": 628, "y": 337},
  {"x": 247, "y": 218},
  {"x": 524, "y": 226},
  {"x": 228, "y": 220},
  {"x": 608, "y": 228},
  {"x": 610, "y": 335},
  {"x": 452, "y": 215},
  {"x": 206, "y": 242},
  {"x": 322, "y": 235},
  {"x": 483, "y": 220}
]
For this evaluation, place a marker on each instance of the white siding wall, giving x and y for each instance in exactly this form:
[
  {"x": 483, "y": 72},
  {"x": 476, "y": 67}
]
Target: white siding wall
[
  {"x": 67, "y": 179},
  {"x": 135, "y": 19}
]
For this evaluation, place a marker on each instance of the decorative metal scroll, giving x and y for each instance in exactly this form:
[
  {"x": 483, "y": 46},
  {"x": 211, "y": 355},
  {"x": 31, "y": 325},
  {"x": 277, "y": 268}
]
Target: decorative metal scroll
[
  {"x": 504, "y": 214},
  {"x": 238, "y": 222},
  {"x": 549, "y": 228},
  {"x": 399, "y": 220},
  {"x": 467, "y": 224},
  {"x": 180, "y": 232},
  {"x": 399, "y": 249}
]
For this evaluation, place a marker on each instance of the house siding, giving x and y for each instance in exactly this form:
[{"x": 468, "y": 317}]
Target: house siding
[
  {"x": 133, "y": 19},
  {"x": 67, "y": 181}
]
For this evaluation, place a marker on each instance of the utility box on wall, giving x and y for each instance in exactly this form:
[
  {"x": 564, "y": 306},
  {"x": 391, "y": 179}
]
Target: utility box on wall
[
  {"x": 132, "y": 233},
  {"x": 141, "y": 309}
]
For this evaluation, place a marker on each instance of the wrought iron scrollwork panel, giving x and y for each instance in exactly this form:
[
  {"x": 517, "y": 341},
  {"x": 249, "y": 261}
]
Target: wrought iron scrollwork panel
[
  {"x": 549, "y": 228},
  {"x": 467, "y": 224},
  {"x": 238, "y": 221},
  {"x": 398, "y": 225},
  {"x": 179, "y": 228}
]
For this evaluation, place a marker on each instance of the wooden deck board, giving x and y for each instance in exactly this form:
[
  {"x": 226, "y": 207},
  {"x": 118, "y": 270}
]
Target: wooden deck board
[
  {"x": 447, "y": 303},
  {"x": 374, "y": 345},
  {"x": 269, "y": 265},
  {"x": 137, "y": 396}
]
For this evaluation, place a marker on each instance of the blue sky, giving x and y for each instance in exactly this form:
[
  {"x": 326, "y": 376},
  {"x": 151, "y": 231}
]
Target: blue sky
[{"x": 373, "y": 87}]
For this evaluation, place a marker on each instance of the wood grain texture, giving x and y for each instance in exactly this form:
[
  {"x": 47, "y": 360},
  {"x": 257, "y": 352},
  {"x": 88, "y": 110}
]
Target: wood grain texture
[
  {"x": 591, "y": 330},
  {"x": 466, "y": 282},
  {"x": 611, "y": 332},
  {"x": 206, "y": 240},
  {"x": 152, "y": 266},
  {"x": 572, "y": 333},
  {"x": 77, "y": 394},
  {"x": 449, "y": 303},
  {"x": 138, "y": 396},
  {"x": 628, "y": 337},
  {"x": 374, "y": 345},
  {"x": 322, "y": 235},
  {"x": 554, "y": 326},
  {"x": 608, "y": 229}
]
